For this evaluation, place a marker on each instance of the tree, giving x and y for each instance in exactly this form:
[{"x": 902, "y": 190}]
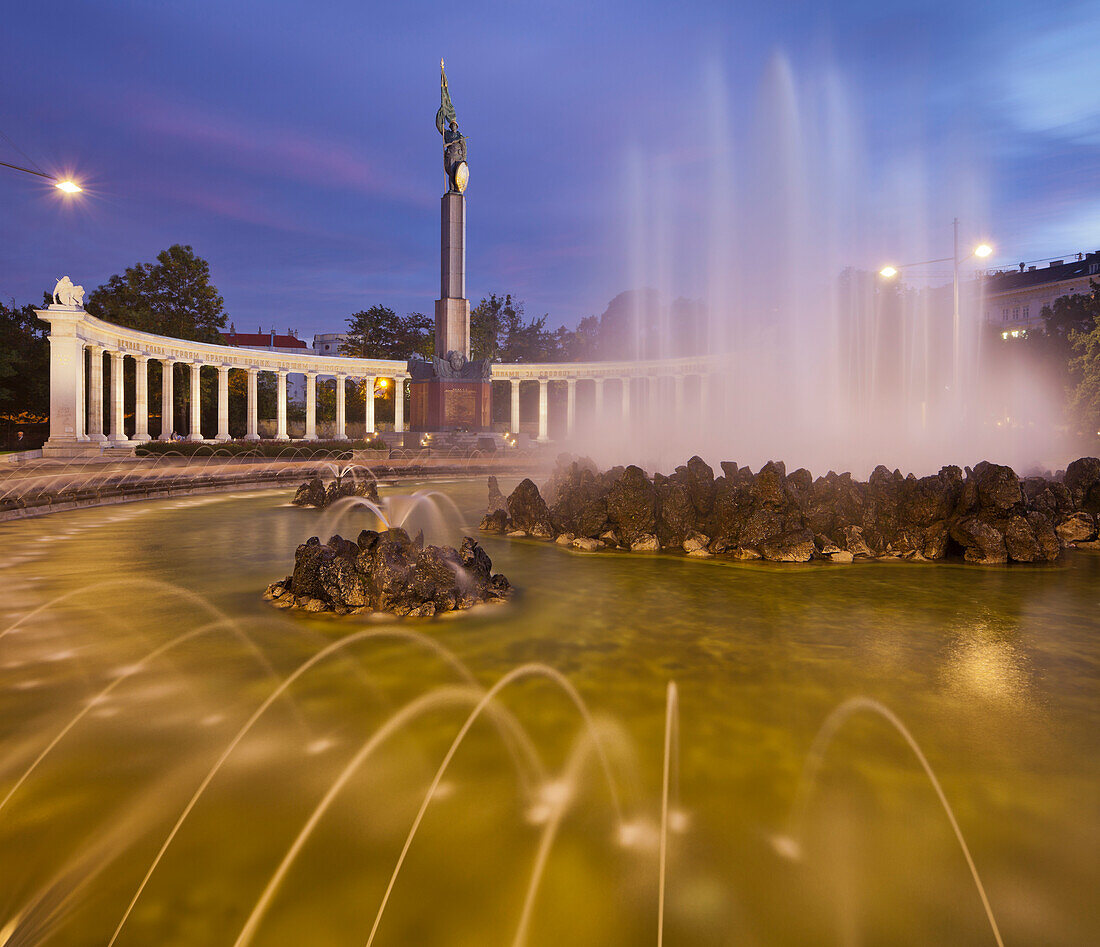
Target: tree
[
  {"x": 24, "y": 364},
  {"x": 172, "y": 297},
  {"x": 1084, "y": 366},
  {"x": 379, "y": 332}
]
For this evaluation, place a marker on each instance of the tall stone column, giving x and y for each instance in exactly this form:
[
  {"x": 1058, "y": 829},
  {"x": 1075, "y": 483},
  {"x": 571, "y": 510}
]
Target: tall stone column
[
  {"x": 252, "y": 421},
  {"x": 81, "y": 397},
  {"x": 598, "y": 407},
  {"x": 118, "y": 404},
  {"x": 626, "y": 398},
  {"x": 452, "y": 309},
  {"x": 704, "y": 396},
  {"x": 95, "y": 394},
  {"x": 311, "y": 406},
  {"x": 570, "y": 405},
  {"x": 653, "y": 392},
  {"x": 280, "y": 408},
  {"x": 66, "y": 376},
  {"x": 399, "y": 404},
  {"x": 195, "y": 433},
  {"x": 167, "y": 399},
  {"x": 223, "y": 404},
  {"x": 544, "y": 410},
  {"x": 368, "y": 406},
  {"x": 141, "y": 398},
  {"x": 514, "y": 383},
  {"x": 341, "y": 407},
  {"x": 679, "y": 397}
]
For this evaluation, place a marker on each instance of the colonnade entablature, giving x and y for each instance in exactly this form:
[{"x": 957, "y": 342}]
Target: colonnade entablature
[{"x": 76, "y": 381}]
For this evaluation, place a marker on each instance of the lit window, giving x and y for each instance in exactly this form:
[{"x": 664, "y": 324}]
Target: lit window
[{"x": 1027, "y": 309}]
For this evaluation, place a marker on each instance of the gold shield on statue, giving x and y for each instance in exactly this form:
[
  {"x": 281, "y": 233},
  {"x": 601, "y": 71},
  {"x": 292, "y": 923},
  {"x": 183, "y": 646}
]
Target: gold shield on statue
[{"x": 462, "y": 175}]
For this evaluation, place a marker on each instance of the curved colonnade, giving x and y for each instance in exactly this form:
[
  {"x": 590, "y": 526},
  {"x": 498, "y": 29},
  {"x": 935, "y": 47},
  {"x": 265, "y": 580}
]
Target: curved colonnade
[{"x": 79, "y": 340}]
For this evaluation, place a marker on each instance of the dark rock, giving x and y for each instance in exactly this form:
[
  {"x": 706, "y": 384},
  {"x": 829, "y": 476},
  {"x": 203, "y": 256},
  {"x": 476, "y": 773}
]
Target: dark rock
[
  {"x": 1077, "y": 528},
  {"x": 495, "y": 522},
  {"x": 497, "y": 500},
  {"x": 1082, "y": 480},
  {"x": 1020, "y": 541},
  {"x": 794, "y": 546},
  {"x": 528, "y": 511},
  {"x": 310, "y": 494},
  {"x": 389, "y": 572},
  {"x": 631, "y": 505},
  {"x": 982, "y": 542}
]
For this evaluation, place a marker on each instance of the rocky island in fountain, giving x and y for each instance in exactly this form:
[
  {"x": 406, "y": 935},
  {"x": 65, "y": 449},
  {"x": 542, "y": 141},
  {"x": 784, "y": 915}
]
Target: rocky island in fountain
[
  {"x": 388, "y": 572},
  {"x": 985, "y": 515},
  {"x": 315, "y": 493}
]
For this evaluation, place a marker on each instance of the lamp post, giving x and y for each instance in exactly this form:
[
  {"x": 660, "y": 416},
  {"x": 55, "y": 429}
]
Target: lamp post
[
  {"x": 68, "y": 186},
  {"x": 982, "y": 250}
]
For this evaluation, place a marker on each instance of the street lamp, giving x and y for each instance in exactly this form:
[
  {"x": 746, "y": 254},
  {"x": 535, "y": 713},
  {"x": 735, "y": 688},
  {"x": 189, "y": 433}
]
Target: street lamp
[
  {"x": 982, "y": 250},
  {"x": 68, "y": 186}
]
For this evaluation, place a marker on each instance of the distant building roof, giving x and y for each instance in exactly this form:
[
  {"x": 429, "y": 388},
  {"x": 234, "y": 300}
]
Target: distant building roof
[
  {"x": 1055, "y": 272},
  {"x": 264, "y": 340}
]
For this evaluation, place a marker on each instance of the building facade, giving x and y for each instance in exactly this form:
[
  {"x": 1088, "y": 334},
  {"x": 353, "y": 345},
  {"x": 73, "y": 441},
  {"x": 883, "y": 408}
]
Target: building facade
[{"x": 1014, "y": 299}]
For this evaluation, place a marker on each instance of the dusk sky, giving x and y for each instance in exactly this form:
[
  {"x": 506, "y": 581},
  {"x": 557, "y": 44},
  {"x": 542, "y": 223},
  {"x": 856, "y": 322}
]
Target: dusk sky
[{"x": 293, "y": 145}]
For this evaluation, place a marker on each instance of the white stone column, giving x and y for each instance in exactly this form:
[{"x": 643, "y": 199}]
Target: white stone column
[
  {"x": 280, "y": 408},
  {"x": 66, "y": 375},
  {"x": 704, "y": 396},
  {"x": 141, "y": 398},
  {"x": 626, "y": 398},
  {"x": 598, "y": 408},
  {"x": 679, "y": 398},
  {"x": 81, "y": 403},
  {"x": 95, "y": 393},
  {"x": 118, "y": 405},
  {"x": 653, "y": 394},
  {"x": 252, "y": 421},
  {"x": 544, "y": 410},
  {"x": 223, "y": 404},
  {"x": 570, "y": 405},
  {"x": 341, "y": 408},
  {"x": 399, "y": 404},
  {"x": 311, "y": 406},
  {"x": 368, "y": 406},
  {"x": 195, "y": 433},
  {"x": 167, "y": 399},
  {"x": 514, "y": 382}
]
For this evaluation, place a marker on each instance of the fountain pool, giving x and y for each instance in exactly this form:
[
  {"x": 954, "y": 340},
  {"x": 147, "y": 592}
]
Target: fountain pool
[{"x": 131, "y": 739}]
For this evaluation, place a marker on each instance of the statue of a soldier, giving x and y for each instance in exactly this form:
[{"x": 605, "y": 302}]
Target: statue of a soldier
[{"x": 454, "y": 143}]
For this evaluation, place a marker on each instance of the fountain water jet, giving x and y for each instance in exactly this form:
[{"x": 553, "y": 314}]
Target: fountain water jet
[
  {"x": 525, "y": 670},
  {"x": 240, "y": 735},
  {"x": 790, "y": 845}
]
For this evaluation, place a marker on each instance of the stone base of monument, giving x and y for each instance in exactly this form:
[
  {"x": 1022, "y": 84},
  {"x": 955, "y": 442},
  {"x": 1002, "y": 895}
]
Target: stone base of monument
[{"x": 445, "y": 404}]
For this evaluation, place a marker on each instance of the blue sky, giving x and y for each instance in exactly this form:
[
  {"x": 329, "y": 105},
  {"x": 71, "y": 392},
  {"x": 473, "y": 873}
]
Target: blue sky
[{"x": 293, "y": 145}]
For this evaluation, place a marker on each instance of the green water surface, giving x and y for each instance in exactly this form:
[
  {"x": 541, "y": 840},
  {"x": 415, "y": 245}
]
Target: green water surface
[{"x": 993, "y": 671}]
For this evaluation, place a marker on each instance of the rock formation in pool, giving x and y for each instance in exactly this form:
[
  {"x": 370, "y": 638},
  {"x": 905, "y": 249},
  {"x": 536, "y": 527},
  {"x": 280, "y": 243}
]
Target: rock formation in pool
[
  {"x": 315, "y": 493},
  {"x": 988, "y": 514},
  {"x": 388, "y": 572}
]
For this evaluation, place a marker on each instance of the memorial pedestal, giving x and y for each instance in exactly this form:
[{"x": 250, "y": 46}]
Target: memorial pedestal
[{"x": 445, "y": 404}]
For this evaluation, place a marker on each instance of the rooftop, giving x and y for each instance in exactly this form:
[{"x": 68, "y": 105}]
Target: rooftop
[{"x": 1055, "y": 271}]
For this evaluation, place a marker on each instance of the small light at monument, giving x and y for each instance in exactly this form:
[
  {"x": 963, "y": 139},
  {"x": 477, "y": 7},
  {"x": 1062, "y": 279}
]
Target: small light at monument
[
  {"x": 983, "y": 250},
  {"x": 888, "y": 272},
  {"x": 69, "y": 187}
]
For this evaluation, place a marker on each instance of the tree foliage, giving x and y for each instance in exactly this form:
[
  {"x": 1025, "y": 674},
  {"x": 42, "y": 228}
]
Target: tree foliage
[
  {"x": 24, "y": 362},
  {"x": 1083, "y": 313},
  {"x": 172, "y": 297},
  {"x": 379, "y": 332}
]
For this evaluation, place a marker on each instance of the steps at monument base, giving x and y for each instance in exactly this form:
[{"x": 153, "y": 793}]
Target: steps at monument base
[{"x": 117, "y": 452}]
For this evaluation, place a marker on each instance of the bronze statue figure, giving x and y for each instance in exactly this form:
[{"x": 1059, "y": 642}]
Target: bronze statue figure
[{"x": 454, "y": 143}]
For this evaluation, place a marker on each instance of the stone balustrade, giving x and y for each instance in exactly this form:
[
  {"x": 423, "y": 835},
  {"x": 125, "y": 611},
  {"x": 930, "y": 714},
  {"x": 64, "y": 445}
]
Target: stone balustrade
[{"x": 79, "y": 340}]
